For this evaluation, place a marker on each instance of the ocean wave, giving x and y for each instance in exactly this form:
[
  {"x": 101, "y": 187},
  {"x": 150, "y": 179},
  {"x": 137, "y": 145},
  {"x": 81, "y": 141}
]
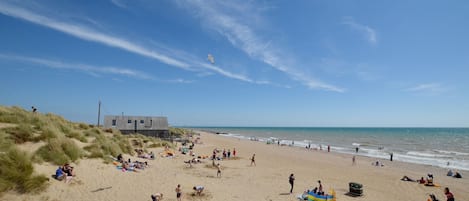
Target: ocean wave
[
  {"x": 426, "y": 154},
  {"x": 437, "y": 157},
  {"x": 452, "y": 152}
]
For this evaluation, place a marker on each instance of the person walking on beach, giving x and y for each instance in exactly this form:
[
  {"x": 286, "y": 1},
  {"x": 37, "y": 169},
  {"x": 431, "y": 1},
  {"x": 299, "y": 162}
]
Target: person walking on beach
[
  {"x": 353, "y": 160},
  {"x": 391, "y": 154},
  {"x": 218, "y": 170},
  {"x": 253, "y": 159},
  {"x": 234, "y": 152},
  {"x": 356, "y": 149},
  {"x": 291, "y": 180},
  {"x": 178, "y": 192}
]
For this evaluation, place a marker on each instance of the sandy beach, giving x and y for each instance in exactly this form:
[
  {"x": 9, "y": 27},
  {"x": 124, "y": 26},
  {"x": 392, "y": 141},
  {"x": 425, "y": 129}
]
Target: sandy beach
[{"x": 268, "y": 180}]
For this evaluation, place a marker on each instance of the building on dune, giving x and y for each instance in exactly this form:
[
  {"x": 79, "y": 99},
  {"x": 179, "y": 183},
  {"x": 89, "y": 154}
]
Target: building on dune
[{"x": 145, "y": 125}]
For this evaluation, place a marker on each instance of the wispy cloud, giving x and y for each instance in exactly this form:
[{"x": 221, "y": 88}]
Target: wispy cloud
[
  {"x": 87, "y": 34},
  {"x": 181, "y": 81},
  {"x": 187, "y": 62},
  {"x": 90, "y": 69},
  {"x": 368, "y": 32},
  {"x": 428, "y": 88},
  {"x": 243, "y": 37},
  {"x": 119, "y": 3}
]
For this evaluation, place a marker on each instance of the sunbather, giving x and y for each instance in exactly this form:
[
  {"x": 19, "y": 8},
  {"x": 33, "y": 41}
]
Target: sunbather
[
  {"x": 157, "y": 196},
  {"x": 406, "y": 178}
]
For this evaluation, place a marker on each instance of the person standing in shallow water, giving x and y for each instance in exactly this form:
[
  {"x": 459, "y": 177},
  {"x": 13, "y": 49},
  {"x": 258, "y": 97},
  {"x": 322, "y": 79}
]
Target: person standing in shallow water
[{"x": 291, "y": 180}]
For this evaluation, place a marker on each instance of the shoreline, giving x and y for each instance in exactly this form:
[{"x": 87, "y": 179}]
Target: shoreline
[
  {"x": 370, "y": 159},
  {"x": 434, "y": 157}
]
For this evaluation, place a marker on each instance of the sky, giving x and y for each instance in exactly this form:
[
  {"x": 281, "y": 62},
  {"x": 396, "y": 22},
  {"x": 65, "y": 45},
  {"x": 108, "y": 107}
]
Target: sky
[{"x": 275, "y": 63}]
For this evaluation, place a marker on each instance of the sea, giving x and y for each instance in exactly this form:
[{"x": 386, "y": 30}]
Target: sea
[{"x": 441, "y": 147}]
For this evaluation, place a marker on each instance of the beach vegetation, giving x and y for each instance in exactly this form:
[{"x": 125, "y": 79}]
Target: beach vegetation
[
  {"x": 59, "y": 137},
  {"x": 17, "y": 173},
  {"x": 21, "y": 133},
  {"x": 59, "y": 151}
]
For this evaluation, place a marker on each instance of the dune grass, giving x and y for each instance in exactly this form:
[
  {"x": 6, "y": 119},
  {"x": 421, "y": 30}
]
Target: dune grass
[
  {"x": 16, "y": 166},
  {"x": 60, "y": 151},
  {"x": 17, "y": 172}
]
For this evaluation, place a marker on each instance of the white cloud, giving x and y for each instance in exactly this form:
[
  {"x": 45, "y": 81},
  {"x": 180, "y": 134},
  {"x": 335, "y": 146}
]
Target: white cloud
[
  {"x": 119, "y": 3},
  {"x": 243, "y": 37},
  {"x": 90, "y": 69},
  {"x": 368, "y": 32},
  {"x": 181, "y": 81},
  {"x": 88, "y": 34},
  {"x": 428, "y": 88},
  {"x": 187, "y": 63}
]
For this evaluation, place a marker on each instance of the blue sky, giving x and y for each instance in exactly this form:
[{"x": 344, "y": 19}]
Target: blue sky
[{"x": 277, "y": 63}]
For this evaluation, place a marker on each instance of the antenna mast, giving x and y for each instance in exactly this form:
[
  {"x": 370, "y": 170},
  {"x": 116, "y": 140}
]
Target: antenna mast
[{"x": 99, "y": 111}]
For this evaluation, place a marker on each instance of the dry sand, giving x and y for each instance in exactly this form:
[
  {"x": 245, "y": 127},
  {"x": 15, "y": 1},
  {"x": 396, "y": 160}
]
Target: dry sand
[{"x": 268, "y": 180}]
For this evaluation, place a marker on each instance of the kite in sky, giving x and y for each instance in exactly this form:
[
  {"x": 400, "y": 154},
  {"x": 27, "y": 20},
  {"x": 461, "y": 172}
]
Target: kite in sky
[{"x": 210, "y": 58}]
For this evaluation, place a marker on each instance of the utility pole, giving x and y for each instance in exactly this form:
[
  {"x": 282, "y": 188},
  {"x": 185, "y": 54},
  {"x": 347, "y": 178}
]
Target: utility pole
[{"x": 99, "y": 111}]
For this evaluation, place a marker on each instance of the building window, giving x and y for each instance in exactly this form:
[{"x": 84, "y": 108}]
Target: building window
[
  {"x": 114, "y": 122},
  {"x": 129, "y": 121},
  {"x": 142, "y": 122}
]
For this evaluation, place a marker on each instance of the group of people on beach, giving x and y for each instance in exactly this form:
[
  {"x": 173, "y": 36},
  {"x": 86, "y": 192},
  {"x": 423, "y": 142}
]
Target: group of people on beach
[
  {"x": 429, "y": 182},
  {"x": 225, "y": 154},
  {"x": 198, "y": 189},
  {"x": 454, "y": 174},
  {"x": 142, "y": 154},
  {"x": 64, "y": 173},
  {"x": 128, "y": 165}
]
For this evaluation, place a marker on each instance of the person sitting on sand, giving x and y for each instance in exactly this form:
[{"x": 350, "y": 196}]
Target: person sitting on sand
[
  {"x": 120, "y": 158},
  {"x": 157, "y": 197},
  {"x": 450, "y": 173},
  {"x": 457, "y": 175},
  {"x": 432, "y": 198},
  {"x": 59, "y": 174},
  {"x": 69, "y": 173},
  {"x": 198, "y": 189},
  {"x": 406, "y": 178},
  {"x": 429, "y": 180},
  {"x": 422, "y": 181},
  {"x": 449, "y": 195},
  {"x": 320, "y": 192}
]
